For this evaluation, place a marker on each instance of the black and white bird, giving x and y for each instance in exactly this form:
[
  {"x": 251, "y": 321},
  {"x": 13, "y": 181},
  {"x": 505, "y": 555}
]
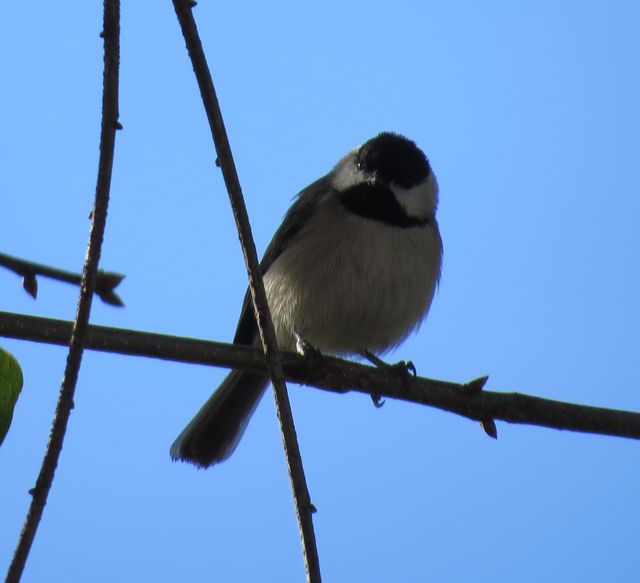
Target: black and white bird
[{"x": 353, "y": 268}]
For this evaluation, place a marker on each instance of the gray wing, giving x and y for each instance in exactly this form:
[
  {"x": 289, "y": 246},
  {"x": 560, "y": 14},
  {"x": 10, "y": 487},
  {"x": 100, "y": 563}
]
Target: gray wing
[{"x": 298, "y": 214}]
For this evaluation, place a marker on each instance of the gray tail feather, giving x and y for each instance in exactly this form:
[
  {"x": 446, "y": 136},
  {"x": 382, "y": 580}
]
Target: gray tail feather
[{"x": 215, "y": 431}]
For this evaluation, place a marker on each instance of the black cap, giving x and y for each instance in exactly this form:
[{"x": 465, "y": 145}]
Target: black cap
[{"x": 393, "y": 158}]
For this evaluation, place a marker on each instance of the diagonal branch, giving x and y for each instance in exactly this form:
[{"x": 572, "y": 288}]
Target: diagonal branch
[
  {"x": 40, "y": 493},
  {"x": 302, "y": 500},
  {"x": 339, "y": 376},
  {"x": 106, "y": 281}
]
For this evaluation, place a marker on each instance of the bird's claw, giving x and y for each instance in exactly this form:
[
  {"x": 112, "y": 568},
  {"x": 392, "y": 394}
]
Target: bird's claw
[
  {"x": 409, "y": 367},
  {"x": 378, "y": 401},
  {"x": 404, "y": 368}
]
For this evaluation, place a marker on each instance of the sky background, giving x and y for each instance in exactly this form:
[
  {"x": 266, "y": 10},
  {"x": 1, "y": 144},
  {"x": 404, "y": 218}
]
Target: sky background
[{"x": 529, "y": 114}]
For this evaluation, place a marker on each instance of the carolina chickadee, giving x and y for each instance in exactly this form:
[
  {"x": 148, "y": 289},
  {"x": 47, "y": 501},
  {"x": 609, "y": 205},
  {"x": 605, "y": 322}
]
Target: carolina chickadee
[{"x": 353, "y": 268}]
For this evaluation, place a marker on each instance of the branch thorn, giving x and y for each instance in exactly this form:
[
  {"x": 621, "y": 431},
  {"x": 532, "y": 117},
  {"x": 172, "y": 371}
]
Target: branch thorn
[
  {"x": 106, "y": 282},
  {"x": 474, "y": 388},
  {"x": 30, "y": 284},
  {"x": 489, "y": 426}
]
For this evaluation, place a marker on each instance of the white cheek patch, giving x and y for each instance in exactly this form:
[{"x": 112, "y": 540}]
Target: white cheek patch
[
  {"x": 420, "y": 201},
  {"x": 347, "y": 174}
]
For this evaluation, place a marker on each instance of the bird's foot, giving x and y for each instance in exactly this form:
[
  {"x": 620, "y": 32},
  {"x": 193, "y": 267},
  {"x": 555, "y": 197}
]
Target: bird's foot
[
  {"x": 305, "y": 348},
  {"x": 402, "y": 368}
]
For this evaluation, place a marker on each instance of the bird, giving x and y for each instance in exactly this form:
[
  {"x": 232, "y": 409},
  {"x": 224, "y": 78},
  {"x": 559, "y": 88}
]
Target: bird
[{"x": 352, "y": 270}]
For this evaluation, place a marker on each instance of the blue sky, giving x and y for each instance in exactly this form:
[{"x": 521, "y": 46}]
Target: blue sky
[{"x": 528, "y": 112}]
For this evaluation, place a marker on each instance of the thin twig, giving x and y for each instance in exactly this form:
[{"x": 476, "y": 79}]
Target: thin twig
[
  {"x": 340, "y": 376},
  {"x": 304, "y": 508},
  {"x": 111, "y": 33},
  {"x": 106, "y": 281}
]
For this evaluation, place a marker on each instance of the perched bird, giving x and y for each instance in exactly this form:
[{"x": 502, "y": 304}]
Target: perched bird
[{"x": 352, "y": 269}]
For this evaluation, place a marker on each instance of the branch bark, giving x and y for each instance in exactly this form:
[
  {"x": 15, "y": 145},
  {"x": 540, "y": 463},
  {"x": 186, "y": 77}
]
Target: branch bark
[
  {"x": 79, "y": 329},
  {"x": 301, "y": 497},
  {"x": 339, "y": 376}
]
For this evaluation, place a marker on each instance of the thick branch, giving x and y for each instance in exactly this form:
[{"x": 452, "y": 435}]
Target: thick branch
[
  {"x": 302, "y": 500},
  {"x": 79, "y": 329},
  {"x": 106, "y": 281},
  {"x": 339, "y": 376}
]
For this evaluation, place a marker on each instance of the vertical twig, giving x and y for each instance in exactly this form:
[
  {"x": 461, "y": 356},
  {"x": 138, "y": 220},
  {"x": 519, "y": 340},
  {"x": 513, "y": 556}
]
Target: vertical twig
[
  {"x": 304, "y": 508},
  {"x": 111, "y": 34}
]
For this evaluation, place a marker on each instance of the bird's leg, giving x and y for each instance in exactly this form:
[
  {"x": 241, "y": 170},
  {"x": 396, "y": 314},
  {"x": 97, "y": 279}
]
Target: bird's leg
[{"x": 403, "y": 368}]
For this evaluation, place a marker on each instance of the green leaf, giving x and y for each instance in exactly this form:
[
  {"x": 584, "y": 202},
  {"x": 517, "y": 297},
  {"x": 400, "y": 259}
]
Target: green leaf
[{"x": 10, "y": 386}]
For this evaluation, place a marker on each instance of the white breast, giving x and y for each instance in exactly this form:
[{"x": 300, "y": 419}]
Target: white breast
[{"x": 349, "y": 283}]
